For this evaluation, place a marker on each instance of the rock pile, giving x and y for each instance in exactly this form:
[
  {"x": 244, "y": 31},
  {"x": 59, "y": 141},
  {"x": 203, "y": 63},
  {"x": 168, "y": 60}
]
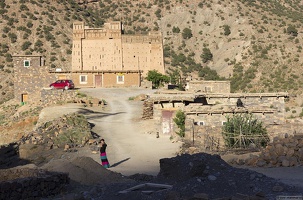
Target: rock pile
[
  {"x": 193, "y": 175},
  {"x": 285, "y": 152},
  {"x": 72, "y": 129},
  {"x": 198, "y": 176},
  {"x": 53, "y": 138},
  {"x": 148, "y": 111}
]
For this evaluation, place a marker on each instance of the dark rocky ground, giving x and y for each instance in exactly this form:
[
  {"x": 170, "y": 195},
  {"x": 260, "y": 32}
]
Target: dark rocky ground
[{"x": 198, "y": 176}]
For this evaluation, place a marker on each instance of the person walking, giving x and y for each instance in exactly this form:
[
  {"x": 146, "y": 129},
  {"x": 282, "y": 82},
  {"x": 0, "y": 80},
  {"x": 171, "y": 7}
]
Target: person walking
[{"x": 103, "y": 156}]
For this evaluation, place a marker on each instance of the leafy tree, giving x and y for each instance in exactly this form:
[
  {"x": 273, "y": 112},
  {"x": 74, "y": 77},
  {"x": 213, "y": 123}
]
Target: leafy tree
[
  {"x": 206, "y": 55},
  {"x": 291, "y": 30},
  {"x": 187, "y": 33},
  {"x": 158, "y": 13},
  {"x": 6, "y": 29},
  {"x": 180, "y": 122},
  {"x": 26, "y": 45},
  {"x": 29, "y": 24},
  {"x": 226, "y": 30},
  {"x": 38, "y": 43},
  {"x": 157, "y": 78},
  {"x": 176, "y": 30},
  {"x": 241, "y": 78},
  {"x": 242, "y": 130},
  {"x": 13, "y": 37},
  {"x": 209, "y": 74}
]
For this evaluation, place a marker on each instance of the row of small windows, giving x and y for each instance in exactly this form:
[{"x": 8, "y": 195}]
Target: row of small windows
[
  {"x": 83, "y": 79},
  {"x": 202, "y": 123}
]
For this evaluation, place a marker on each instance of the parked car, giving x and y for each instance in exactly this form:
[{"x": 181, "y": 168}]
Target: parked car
[{"x": 62, "y": 84}]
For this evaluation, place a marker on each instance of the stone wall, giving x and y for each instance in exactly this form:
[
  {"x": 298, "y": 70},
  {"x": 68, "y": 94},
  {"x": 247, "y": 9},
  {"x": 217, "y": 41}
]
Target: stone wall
[
  {"x": 30, "y": 183},
  {"x": 210, "y": 137},
  {"x": 29, "y": 80},
  {"x": 50, "y": 97},
  {"x": 209, "y": 86}
]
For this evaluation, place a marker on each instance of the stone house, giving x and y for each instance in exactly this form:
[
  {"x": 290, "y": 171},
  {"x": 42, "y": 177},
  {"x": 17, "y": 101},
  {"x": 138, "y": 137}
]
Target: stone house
[
  {"x": 206, "y": 110},
  {"x": 32, "y": 79},
  {"x": 30, "y": 76}
]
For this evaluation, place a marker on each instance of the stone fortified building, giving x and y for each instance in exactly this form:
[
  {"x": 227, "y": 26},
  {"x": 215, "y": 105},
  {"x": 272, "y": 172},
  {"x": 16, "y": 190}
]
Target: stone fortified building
[
  {"x": 105, "y": 57},
  {"x": 101, "y": 57}
]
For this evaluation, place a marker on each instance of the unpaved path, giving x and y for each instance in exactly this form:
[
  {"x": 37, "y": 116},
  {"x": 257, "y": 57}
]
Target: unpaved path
[
  {"x": 132, "y": 143},
  {"x": 131, "y": 149}
]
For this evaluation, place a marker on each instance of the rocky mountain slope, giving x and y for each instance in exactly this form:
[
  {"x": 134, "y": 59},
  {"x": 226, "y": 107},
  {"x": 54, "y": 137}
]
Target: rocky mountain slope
[{"x": 255, "y": 44}]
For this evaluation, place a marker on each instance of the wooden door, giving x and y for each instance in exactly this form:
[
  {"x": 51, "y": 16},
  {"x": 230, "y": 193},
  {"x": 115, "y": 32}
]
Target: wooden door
[
  {"x": 98, "y": 80},
  {"x": 24, "y": 97},
  {"x": 167, "y": 122}
]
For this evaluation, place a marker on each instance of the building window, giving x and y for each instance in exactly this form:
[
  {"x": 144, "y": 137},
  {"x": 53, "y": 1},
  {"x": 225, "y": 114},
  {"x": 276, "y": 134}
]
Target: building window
[
  {"x": 120, "y": 79},
  {"x": 26, "y": 63},
  {"x": 208, "y": 89},
  {"x": 83, "y": 79},
  {"x": 200, "y": 123}
]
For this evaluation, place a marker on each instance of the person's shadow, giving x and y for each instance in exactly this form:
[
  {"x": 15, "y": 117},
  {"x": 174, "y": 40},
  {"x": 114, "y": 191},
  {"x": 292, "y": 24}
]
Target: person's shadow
[{"x": 118, "y": 163}]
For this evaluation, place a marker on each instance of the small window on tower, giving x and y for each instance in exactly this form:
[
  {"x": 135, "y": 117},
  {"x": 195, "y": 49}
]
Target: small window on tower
[
  {"x": 120, "y": 79},
  {"x": 26, "y": 63}
]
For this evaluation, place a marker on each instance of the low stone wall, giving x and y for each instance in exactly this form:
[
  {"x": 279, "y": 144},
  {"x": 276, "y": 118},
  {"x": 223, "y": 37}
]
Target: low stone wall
[
  {"x": 50, "y": 97},
  {"x": 30, "y": 183},
  {"x": 210, "y": 137}
]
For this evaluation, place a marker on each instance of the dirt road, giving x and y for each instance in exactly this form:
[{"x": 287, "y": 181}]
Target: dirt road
[{"x": 132, "y": 143}]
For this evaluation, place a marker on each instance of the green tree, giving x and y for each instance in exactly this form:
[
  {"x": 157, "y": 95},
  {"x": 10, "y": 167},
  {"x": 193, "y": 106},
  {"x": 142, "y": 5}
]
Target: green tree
[
  {"x": 176, "y": 30},
  {"x": 291, "y": 30},
  {"x": 187, "y": 33},
  {"x": 226, "y": 30},
  {"x": 158, "y": 13},
  {"x": 206, "y": 55},
  {"x": 180, "y": 122},
  {"x": 13, "y": 37},
  {"x": 242, "y": 130},
  {"x": 209, "y": 74},
  {"x": 157, "y": 78},
  {"x": 26, "y": 45}
]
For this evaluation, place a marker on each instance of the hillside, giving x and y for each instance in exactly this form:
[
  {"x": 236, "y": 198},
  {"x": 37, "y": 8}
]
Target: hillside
[{"x": 255, "y": 44}]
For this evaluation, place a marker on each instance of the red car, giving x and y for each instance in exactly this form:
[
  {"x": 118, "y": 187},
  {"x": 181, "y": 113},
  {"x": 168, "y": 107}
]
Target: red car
[{"x": 62, "y": 84}]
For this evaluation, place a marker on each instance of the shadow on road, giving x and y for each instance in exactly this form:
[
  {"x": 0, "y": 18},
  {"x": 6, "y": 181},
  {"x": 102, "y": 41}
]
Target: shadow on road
[
  {"x": 118, "y": 163},
  {"x": 90, "y": 114}
]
